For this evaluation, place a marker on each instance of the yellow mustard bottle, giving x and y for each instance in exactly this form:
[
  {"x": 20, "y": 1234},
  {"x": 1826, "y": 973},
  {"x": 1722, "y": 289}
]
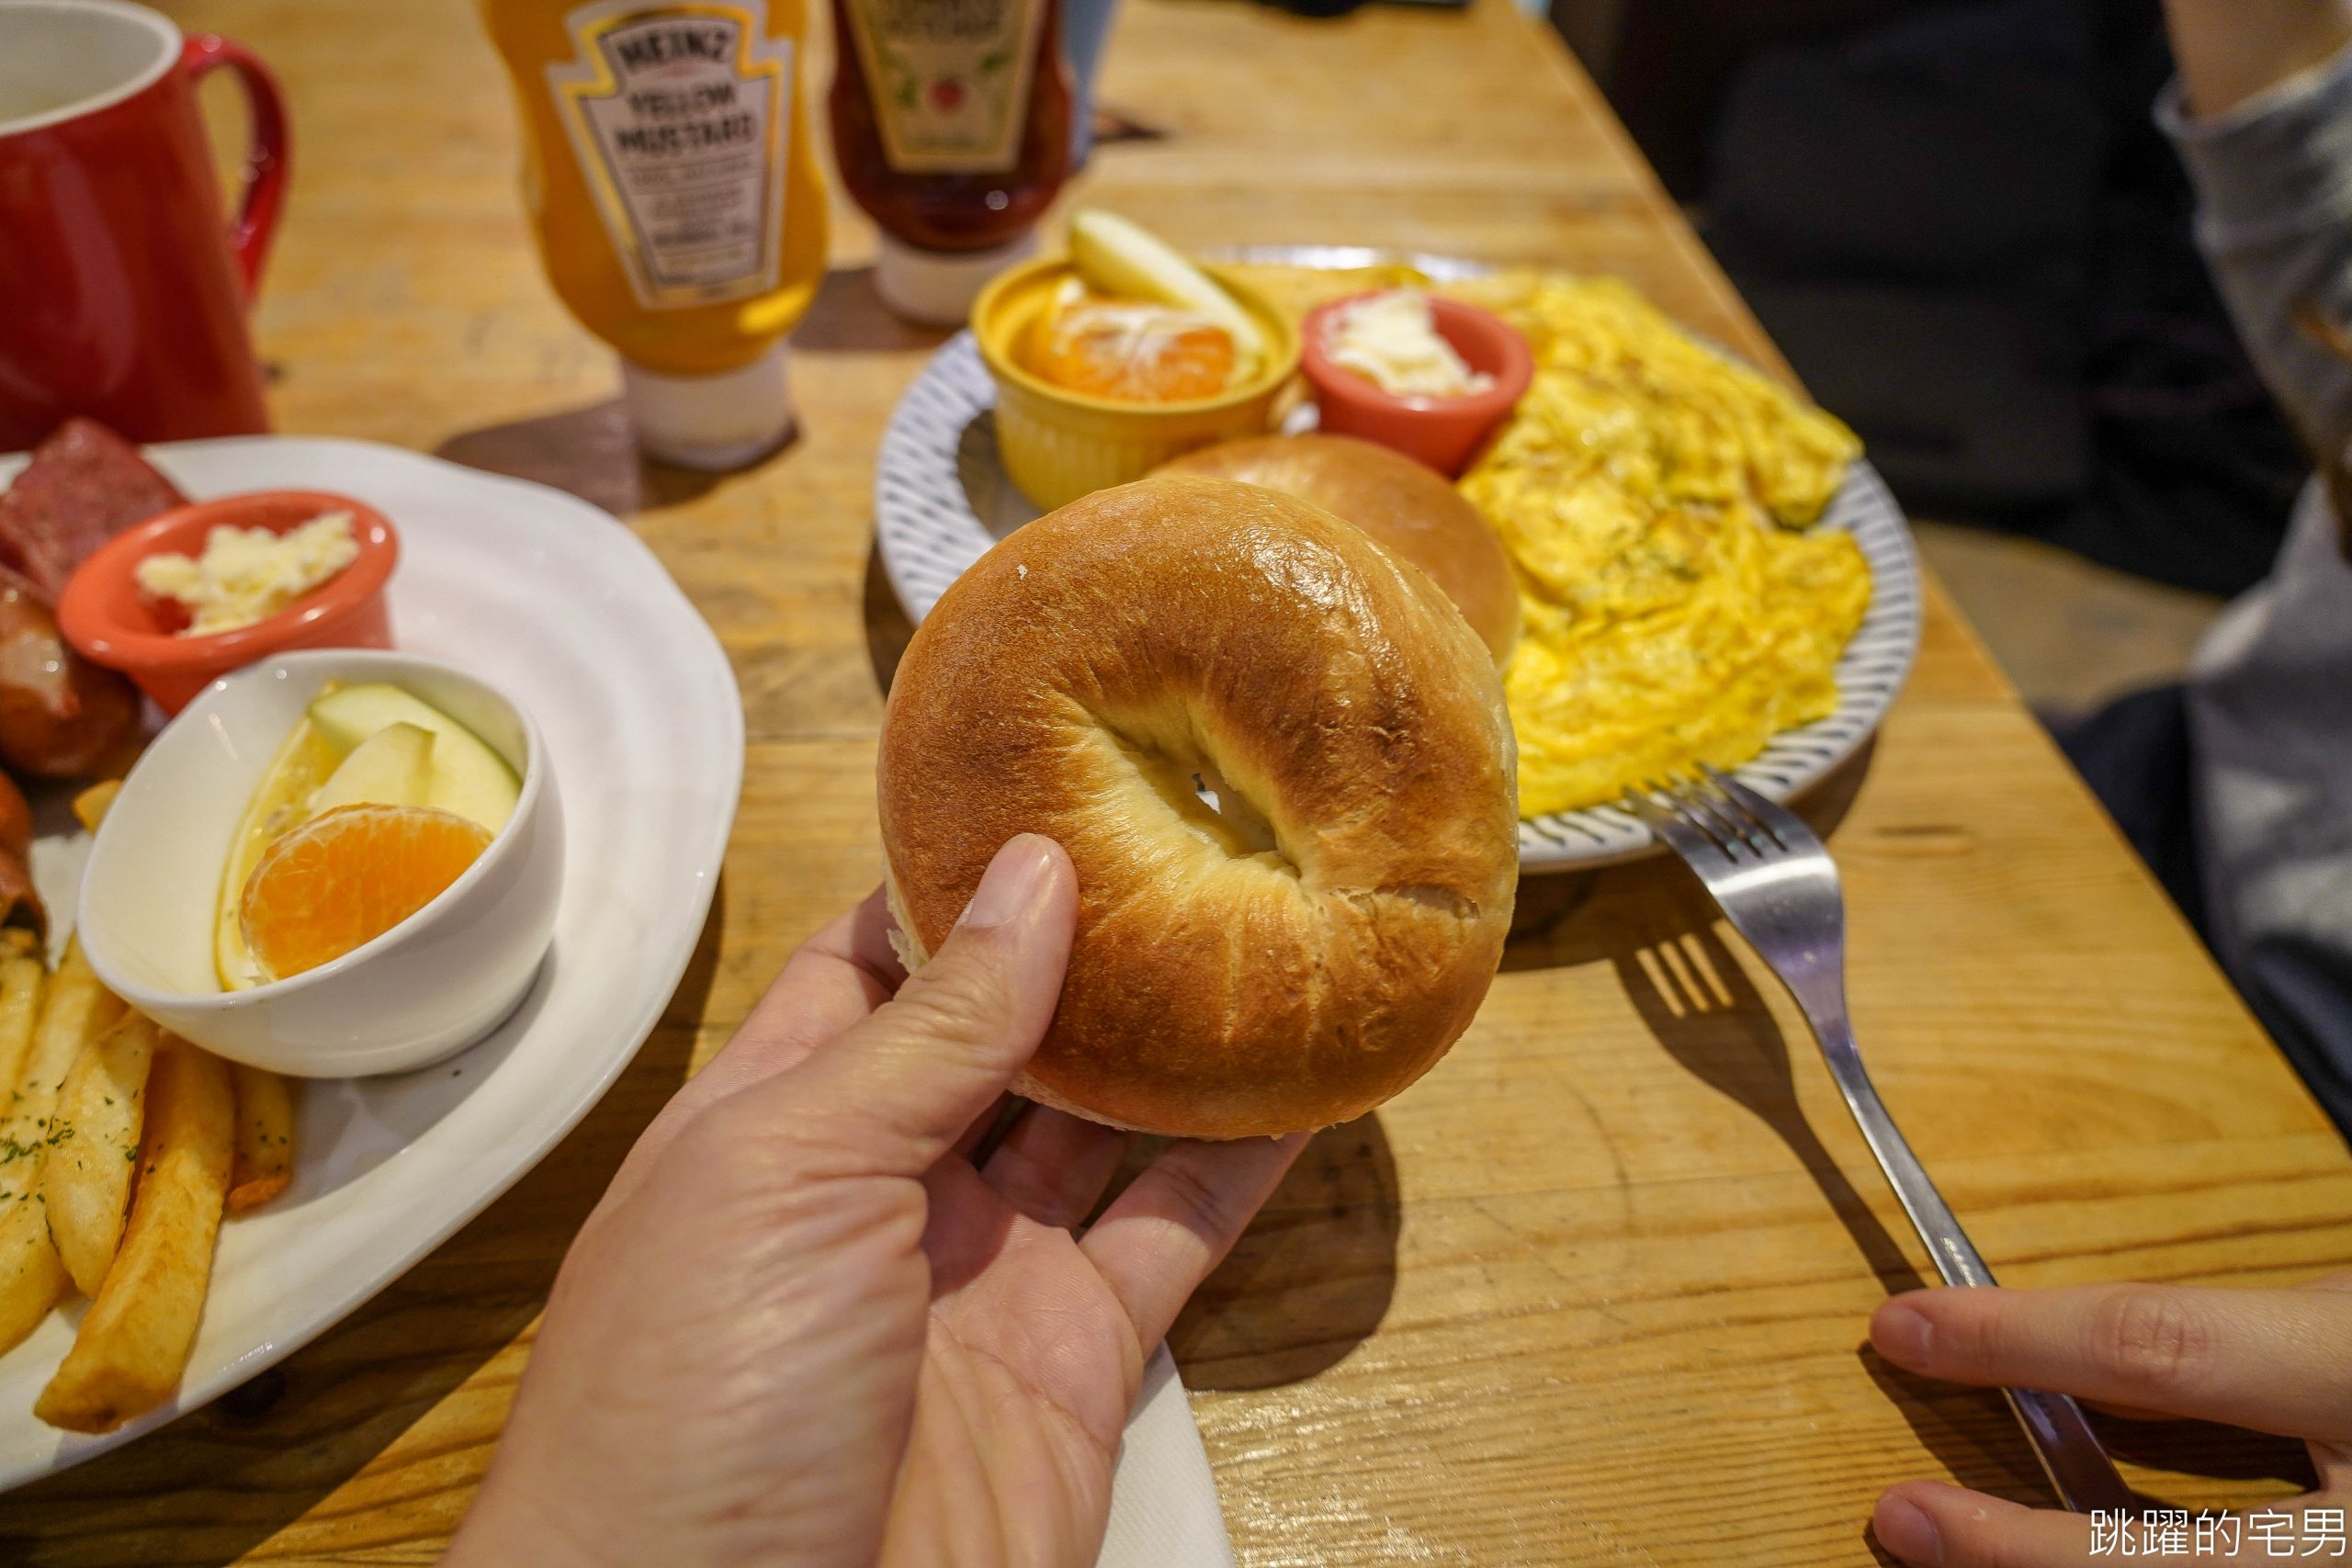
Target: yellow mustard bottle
[{"x": 674, "y": 191}]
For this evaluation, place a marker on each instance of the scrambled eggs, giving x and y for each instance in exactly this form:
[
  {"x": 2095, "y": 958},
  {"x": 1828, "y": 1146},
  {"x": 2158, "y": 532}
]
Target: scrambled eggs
[{"x": 1651, "y": 494}]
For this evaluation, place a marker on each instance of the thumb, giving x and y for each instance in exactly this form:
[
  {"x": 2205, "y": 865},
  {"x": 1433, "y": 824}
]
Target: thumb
[{"x": 895, "y": 1088}]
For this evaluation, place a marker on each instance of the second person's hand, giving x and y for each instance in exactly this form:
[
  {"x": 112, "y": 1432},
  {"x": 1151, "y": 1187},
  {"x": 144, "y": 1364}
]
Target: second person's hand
[{"x": 2277, "y": 1361}]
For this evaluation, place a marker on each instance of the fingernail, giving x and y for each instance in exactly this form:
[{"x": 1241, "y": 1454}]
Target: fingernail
[
  {"x": 1903, "y": 1334},
  {"x": 1904, "y": 1528},
  {"x": 1013, "y": 881}
]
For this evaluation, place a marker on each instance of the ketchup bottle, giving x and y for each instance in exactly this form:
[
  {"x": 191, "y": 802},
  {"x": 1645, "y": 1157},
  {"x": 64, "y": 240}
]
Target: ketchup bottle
[{"x": 951, "y": 127}]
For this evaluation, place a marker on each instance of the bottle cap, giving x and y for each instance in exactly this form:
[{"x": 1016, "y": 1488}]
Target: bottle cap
[
  {"x": 725, "y": 421},
  {"x": 935, "y": 289}
]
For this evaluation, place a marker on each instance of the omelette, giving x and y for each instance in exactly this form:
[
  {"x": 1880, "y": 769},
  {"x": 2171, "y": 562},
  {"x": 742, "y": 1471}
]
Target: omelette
[{"x": 1657, "y": 499}]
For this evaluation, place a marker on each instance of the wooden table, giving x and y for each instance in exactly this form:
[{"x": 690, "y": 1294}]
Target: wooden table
[{"x": 1592, "y": 1292}]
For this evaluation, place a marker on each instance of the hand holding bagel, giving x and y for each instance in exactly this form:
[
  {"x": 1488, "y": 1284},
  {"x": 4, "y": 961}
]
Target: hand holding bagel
[
  {"x": 1199, "y": 817},
  {"x": 802, "y": 1327}
]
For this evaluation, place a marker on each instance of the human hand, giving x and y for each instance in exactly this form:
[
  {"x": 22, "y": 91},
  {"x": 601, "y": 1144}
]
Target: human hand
[
  {"x": 802, "y": 1329},
  {"x": 2278, "y": 1361}
]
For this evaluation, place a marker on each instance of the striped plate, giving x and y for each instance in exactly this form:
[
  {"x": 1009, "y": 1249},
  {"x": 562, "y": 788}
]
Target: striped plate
[{"x": 941, "y": 499}]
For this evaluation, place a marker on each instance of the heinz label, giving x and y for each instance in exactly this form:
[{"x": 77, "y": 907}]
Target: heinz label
[
  {"x": 949, "y": 79},
  {"x": 678, "y": 115}
]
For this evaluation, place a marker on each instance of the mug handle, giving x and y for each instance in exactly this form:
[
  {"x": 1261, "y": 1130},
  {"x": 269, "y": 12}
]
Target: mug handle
[{"x": 264, "y": 189}]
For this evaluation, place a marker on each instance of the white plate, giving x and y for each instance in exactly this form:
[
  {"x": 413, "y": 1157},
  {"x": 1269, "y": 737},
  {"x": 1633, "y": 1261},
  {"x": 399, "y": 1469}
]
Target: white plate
[
  {"x": 563, "y": 607},
  {"x": 941, "y": 499}
]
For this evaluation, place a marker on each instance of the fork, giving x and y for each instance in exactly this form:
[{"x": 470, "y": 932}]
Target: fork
[{"x": 1776, "y": 882}]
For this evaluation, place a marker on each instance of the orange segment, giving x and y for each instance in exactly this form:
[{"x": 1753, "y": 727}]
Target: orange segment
[
  {"x": 1133, "y": 352},
  {"x": 347, "y": 877}
]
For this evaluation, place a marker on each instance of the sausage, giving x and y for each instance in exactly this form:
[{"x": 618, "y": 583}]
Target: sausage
[
  {"x": 20, "y": 904},
  {"x": 84, "y": 485},
  {"x": 61, "y": 717}
]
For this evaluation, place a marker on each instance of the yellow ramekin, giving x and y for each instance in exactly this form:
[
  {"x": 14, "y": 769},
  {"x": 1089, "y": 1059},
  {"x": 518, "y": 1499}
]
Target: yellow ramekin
[{"x": 1059, "y": 444}]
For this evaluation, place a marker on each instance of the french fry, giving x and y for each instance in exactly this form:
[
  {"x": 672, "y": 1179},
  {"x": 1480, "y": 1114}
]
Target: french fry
[
  {"x": 31, "y": 1275},
  {"x": 134, "y": 1341},
  {"x": 76, "y": 1010},
  {"x": 91, "y": 805},
  {"x": 23, "y": 979},
  {"x": 85, "y": 1180},
  {"x": 265, "y": 1138}
]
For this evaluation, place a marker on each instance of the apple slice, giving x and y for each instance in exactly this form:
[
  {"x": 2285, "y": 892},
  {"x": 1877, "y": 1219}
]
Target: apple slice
[
  {"x": 1121, "y": 258},
  {"x": 304, "y": 763},
  {"x": 465, "y": 776},
  {"x": 392, "y": 767}
]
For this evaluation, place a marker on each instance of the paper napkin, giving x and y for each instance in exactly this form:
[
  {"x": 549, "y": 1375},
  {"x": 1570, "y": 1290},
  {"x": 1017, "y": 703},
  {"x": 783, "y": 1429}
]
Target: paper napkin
[{"x": 1164, "y": 1511}]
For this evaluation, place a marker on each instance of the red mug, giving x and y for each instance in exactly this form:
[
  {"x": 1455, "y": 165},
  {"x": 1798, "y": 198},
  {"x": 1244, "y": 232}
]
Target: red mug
[{"x": 123, "y": 284}]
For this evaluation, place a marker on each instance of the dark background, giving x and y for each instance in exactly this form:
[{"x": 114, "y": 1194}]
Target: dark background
[{"x": 1961, "y": 224}]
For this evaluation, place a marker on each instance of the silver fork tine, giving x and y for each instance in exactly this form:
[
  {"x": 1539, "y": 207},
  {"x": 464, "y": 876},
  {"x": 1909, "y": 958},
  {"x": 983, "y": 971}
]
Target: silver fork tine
[
  {"x": 1726, "y": 814},
  {"x": 1772, "y": 820},
  {"x": 1775, "y": 882},
  {"x": 1684, "y": 830}
]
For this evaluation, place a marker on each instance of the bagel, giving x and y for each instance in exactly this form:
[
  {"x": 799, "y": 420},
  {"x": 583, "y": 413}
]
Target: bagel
[
  {"x": 1411, "y": 509},
  {"x": 1291, "y": 956}
]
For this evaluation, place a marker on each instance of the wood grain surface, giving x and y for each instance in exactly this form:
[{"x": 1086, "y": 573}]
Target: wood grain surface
[{"x": 1594, "y": 1290}]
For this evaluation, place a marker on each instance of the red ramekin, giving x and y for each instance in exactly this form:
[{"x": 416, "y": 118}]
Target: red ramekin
[
  {"x": 110, "y": 622},
  {"x": 1443, "y": 432}
]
